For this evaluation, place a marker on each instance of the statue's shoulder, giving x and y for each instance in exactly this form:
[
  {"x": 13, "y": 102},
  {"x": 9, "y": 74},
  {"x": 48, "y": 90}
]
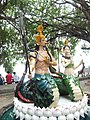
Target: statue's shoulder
[{"x": 33, "y": 54}]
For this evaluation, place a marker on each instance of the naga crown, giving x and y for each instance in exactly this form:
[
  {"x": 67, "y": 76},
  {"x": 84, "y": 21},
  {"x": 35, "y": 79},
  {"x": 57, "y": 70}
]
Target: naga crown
[{"x": 40, "y": 35}]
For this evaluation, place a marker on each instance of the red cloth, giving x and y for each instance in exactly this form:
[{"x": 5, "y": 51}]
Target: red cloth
[{"x": 9, "y": 78}]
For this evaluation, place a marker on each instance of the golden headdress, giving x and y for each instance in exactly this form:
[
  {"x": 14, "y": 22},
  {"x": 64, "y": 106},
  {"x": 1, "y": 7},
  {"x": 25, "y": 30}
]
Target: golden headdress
[{"x": 40, "y": 35}]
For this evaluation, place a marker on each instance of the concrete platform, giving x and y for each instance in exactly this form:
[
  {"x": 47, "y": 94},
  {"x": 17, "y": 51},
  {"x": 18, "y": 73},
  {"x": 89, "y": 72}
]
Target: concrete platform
[
  {"x": 6, "y": 94},
  {"x": 7, "y": 88}
]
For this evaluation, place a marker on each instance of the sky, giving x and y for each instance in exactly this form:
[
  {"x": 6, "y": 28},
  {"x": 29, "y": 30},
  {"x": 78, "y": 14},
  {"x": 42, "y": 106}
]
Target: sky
[{"x": 19, "y": 68}]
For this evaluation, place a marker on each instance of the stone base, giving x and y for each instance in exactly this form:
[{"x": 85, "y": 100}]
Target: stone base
[{"x": 65, "y": 110}]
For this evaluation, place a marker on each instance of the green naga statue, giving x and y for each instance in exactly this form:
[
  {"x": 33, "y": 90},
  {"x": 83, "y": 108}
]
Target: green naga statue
[{"x": 45, "y": 89}]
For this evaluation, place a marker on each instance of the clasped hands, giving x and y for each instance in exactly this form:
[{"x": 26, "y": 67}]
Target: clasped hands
[{"x": 48, "y": 61}]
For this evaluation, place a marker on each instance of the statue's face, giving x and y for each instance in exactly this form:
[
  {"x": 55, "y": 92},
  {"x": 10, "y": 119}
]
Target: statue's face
[
  {"x": 67, "y": 50},
  {"x": 43, "y": 42}
]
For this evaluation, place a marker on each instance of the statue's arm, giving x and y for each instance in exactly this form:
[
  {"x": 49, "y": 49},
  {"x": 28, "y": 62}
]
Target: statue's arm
[
  {"x": 81, "y": 62},
  {"x": 64, "y": 62}
]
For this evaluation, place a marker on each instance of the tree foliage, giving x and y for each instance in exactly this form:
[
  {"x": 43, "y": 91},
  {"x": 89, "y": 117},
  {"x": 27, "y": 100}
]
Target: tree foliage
[{"x": 60, "y": 18}]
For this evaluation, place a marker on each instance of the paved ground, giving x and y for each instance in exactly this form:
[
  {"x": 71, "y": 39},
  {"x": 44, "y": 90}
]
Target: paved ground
[
  {"x": 7, "y": 92},
  {"x": 5, "y": 100}
]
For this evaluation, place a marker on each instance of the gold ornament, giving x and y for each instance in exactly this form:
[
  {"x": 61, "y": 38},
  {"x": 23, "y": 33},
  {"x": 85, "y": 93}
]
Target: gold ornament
[
  {"x": 66, "y": 42},
  {"x": 40, "y": 35}
]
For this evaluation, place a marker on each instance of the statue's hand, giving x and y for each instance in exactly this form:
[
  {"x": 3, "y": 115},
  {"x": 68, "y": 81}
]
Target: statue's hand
[
  {"x": 71, "y": 61},
  {"x": 47, "y": 60},
  {"x": 50, "y": 62},
  {"x": 30, "y": 76},
  {"x": 81, "y": 61}
]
